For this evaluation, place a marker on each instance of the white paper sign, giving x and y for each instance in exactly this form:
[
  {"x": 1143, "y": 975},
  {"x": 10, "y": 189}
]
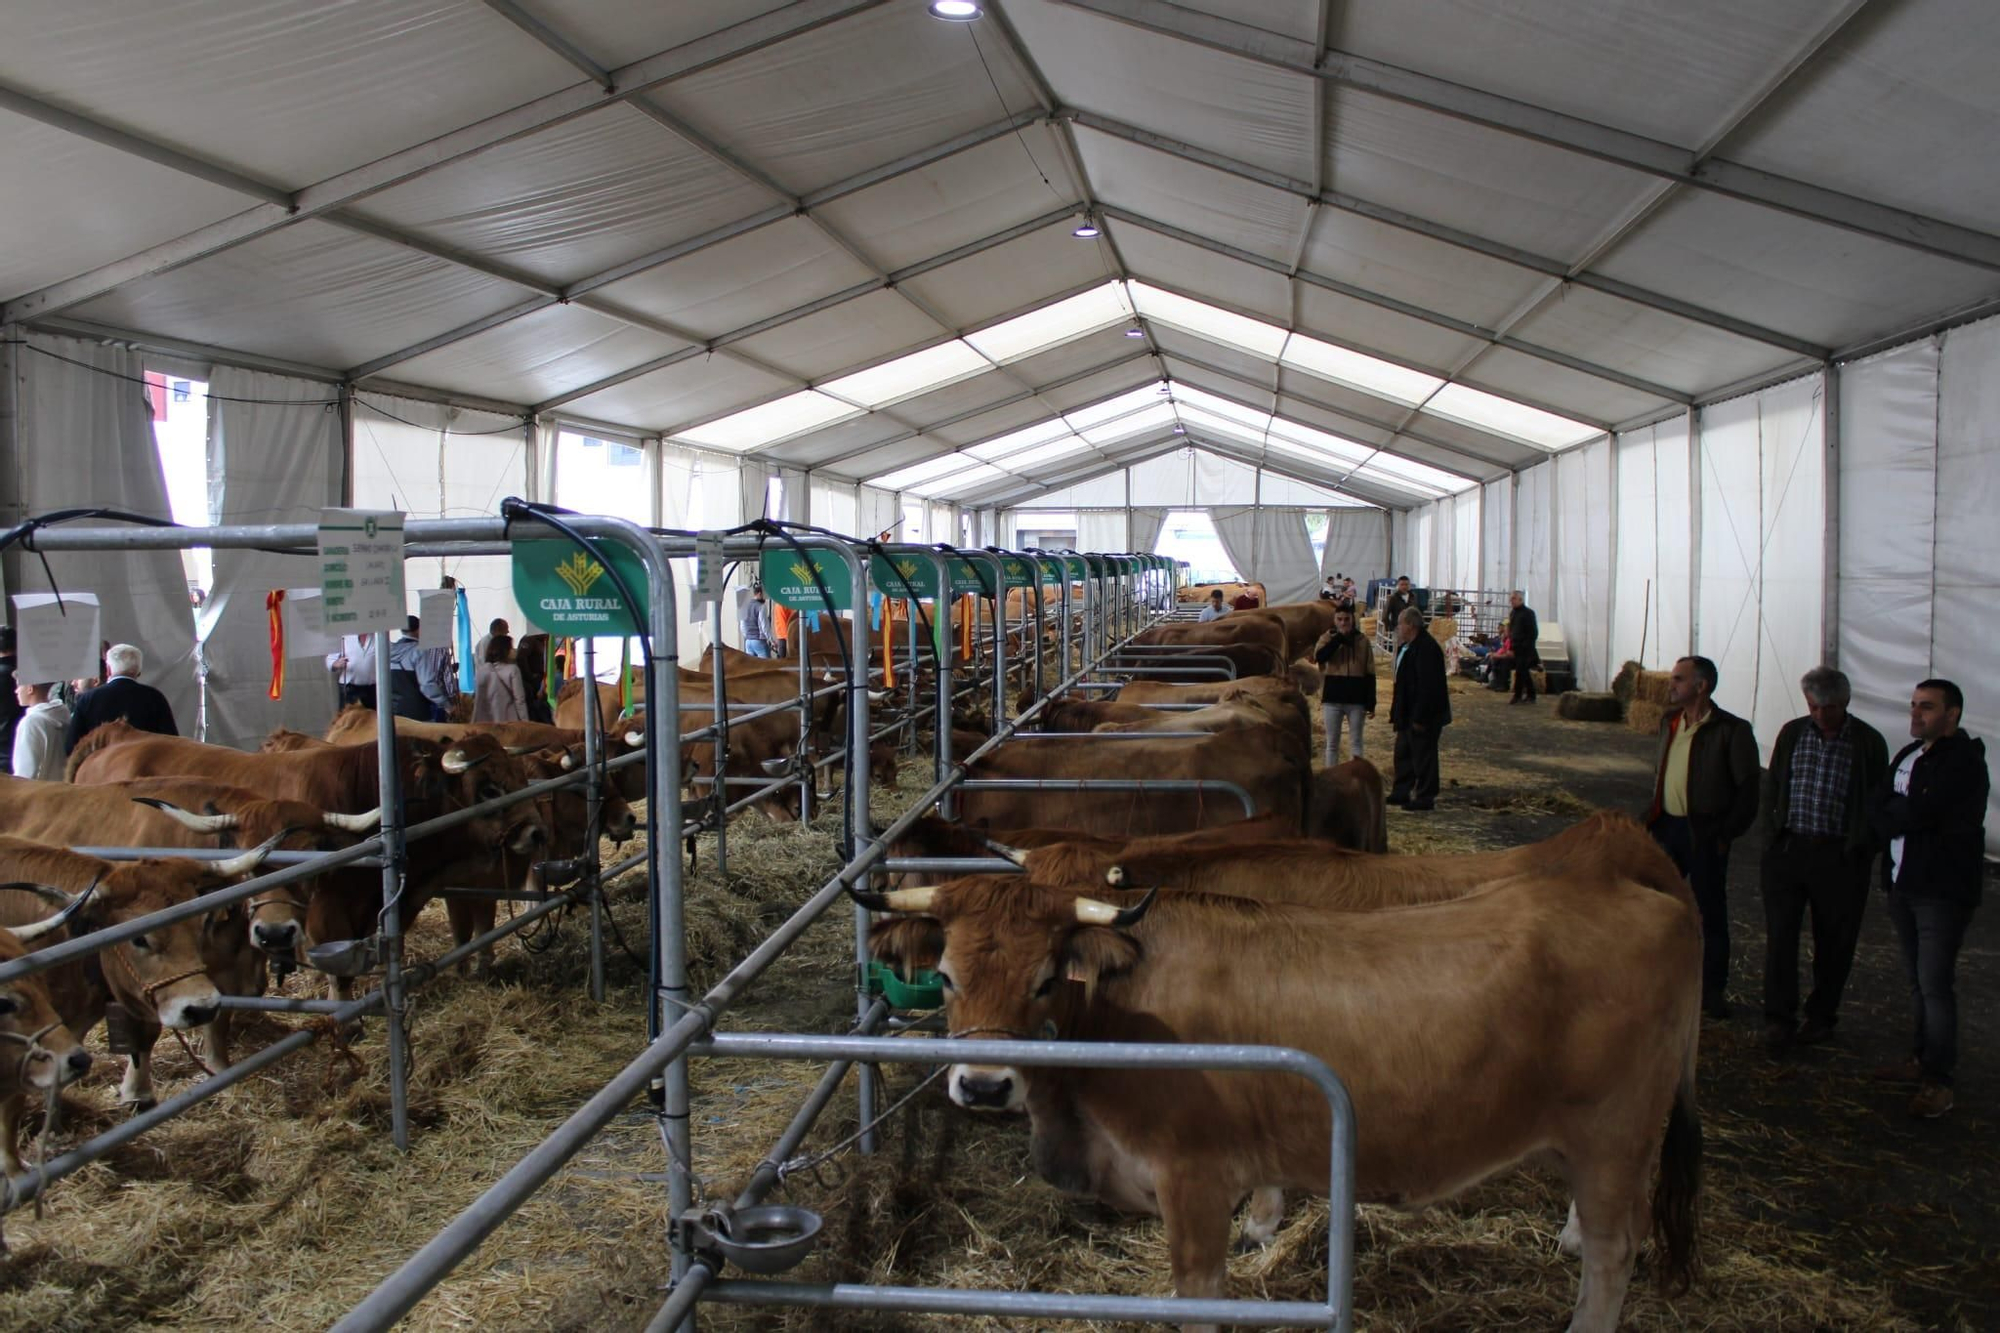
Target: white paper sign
[
  {"x": 51, "y": 646},
  {"x": 305, "y": 627},
  {"x": 438, "y": 610},
  {"x": 708, "y": 569},
  {"x": 361, "y": 569}
]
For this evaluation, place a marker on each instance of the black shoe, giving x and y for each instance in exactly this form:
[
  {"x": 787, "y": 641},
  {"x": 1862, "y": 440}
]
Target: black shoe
[
  {"x": 1420, "y": 807},
  {"x": 1393, "y": 799},
  {"x": 1813, "y": 1032},
  {"x": 1716, "y": 1008},
  {"x": 1778, "y": 1038}
]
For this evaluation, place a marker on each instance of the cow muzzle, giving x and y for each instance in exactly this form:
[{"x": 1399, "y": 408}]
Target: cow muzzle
[
  {"x": 277, "y": 937},
  {"x": 48, "y": 1067},
  {"x": 190, "y": 1002},
  {"x": 984, "y": 1088}
]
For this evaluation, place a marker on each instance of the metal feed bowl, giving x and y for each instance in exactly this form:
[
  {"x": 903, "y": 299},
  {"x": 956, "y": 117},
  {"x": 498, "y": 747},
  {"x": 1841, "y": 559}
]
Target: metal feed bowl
[{"x": 769, "y": 1239}]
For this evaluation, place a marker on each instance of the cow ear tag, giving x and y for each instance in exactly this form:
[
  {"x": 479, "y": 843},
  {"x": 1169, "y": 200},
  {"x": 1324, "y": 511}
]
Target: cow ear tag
[{"x": 121, "y": 1029}]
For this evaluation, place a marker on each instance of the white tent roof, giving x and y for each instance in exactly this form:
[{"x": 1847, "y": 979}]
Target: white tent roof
[{"x": 1394, "y": 247}]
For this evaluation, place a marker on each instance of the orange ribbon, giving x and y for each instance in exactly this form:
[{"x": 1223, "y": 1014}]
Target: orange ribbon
[
  {"x": 274, "y": 601},
  {"x": 889, "y": 643}
]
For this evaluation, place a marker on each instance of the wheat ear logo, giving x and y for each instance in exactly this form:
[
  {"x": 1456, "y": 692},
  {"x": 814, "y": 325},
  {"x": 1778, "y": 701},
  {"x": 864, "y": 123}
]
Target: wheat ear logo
[
  {"x": 802, "y": 571},
  {"x": 907, "y": 568},
  {"x": 580, "y": 572}
]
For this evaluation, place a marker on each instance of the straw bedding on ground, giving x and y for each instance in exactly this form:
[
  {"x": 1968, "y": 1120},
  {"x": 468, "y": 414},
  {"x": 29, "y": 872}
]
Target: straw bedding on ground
[{"x": 281, "y": 1203}]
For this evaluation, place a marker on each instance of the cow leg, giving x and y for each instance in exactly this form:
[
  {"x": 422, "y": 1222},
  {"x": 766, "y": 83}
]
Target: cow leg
[
  {"x": 1260, "y": 1224},
  {"x": 1197, "y": 1211},
  {"x": 136, "y": 1088},
  {"x": 1571, "y": 1240},
  {"x": 215, "y": 1040},
  {"x": 1612, "y": 1214}
]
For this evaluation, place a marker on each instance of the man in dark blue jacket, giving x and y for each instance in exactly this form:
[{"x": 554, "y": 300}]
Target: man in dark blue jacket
[
  {"x": 121, "y": 698},
  {"x": 1419, "y": 712},
  {"x": 1932, "y": 810}
]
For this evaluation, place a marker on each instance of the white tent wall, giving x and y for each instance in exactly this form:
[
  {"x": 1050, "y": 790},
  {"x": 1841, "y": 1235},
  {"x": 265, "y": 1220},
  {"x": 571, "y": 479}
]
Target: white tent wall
[
  {"x": 1534, "y": 527},
  {"x": 274, "y": 456},
  {"x": 879, "y": 510},
  {"x": 1143, "y": 527},
  {"x": 1652, "y": 622},
  {"x": 1357, "y": 544},
  {"x": 1919, "y": 477},
  {"x": 1465, "y": 541},
  {"x": 834, "y": 506},
  {"x": 1583, "y": 567},
  {"x": 1100, "y": 530},
  {"x": 1496, "y": 534},
  {"x": 1270, "y": 546},
  {"x": 86, "y": 441}
]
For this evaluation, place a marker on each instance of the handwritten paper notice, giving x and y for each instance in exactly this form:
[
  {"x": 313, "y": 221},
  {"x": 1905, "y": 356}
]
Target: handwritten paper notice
[{"x": 361, "y": 570}]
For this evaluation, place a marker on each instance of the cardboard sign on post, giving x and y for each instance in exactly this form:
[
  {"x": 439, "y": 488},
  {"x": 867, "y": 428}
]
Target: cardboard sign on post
[
  {"x": 361, "y": 570},
  {"x": 305, "y": 624},
  {"x": 437, "y": 609},
  {"x": 56, "y": 643}
]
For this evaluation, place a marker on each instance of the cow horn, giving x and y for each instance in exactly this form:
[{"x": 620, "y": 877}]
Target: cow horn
[
  {"x": 918, "y": 899},
  {"x": 367, "y": 823},
  {"x": 1014, "y": 854},
  {"x": 48, "y": 891},
  {"x": 250, "y": 860},
  {"x": 880, "y": 696},
  {"x": 635, "y": 737},
  {"x": 199, "y": 823},
  {"x": 775, "y": 766},
  {"x": 455, "y": 762},
  {"x": 518, "y": 750},
  {"x": 1094, "y": 913},
  {"x": 28, "y": 934}
]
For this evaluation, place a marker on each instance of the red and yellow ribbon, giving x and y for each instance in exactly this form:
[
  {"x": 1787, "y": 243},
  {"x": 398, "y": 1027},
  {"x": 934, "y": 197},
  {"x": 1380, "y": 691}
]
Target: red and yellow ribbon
[{"x": 274, "y": 602}]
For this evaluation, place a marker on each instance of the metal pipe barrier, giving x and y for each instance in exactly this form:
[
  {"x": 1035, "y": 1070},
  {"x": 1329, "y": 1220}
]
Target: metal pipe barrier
[{"x": 1335, "y": 1313}]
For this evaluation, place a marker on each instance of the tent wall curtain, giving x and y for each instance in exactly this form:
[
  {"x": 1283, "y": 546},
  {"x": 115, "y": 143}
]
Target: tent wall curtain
[
  {"x": 879, "y": 510},
  {"x": 1496, "y": 535},
  {"x": 1270, "y": 546},
  {"x": 86, "y": 440},
  {"x": 276, "y": 459},
  {"x": 1144, "y": 524},
  {"x": 1356, "y": 543},
  {"x": 1919, "y": 477},
  {"x": 1100, "y": 530}
]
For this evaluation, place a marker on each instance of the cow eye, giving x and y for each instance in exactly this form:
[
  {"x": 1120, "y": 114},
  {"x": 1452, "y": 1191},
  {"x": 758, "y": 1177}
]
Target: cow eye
[
  {"x": 9, "y": 1005},
  {"x": 1048, "y": 984},
  {"x": 946, "y": 981},
  {"x": 491, "y": 792},
  {"x": 142, "y": 943}
]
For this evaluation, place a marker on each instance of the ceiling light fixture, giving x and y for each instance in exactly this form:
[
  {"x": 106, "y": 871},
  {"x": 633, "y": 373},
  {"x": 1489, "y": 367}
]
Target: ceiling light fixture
[
  {"x": 1135, "y": 333},
  {"x": 955, "y": 11},
  {"x": 1086, "y": 230}
]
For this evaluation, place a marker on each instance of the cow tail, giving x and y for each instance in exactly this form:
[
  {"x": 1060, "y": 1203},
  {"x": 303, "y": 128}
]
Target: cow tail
[{"x": 1677, "y": 1198}]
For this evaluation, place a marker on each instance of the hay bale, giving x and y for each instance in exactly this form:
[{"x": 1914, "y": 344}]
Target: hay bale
[
  {"x": 1588, "y": 706},
  {"x": 1644, "y": 716},
  {"x": 1443, "y": 628},
  {"x": 1625, "y": 685},
  {"x": 1651, "y": 687}
]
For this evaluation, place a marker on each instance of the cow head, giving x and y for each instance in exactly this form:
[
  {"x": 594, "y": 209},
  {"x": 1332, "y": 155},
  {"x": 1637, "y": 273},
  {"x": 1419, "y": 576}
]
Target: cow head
[
  {"x": 474, "y": 769},
  {"x": 277, "y": 916},
  {"x": 1016, "y": 961},
  {"x": 36, "y": 1050}
]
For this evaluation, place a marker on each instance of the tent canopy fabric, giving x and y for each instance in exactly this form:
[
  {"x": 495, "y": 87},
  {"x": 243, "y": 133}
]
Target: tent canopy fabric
[{"x": 840, "y": 236}]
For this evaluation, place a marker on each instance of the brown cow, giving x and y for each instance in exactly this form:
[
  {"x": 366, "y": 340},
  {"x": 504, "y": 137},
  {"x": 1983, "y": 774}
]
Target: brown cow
[
  {"x": 1265, "y": 761},
  {"x": 1198, "y": 592},
  {"x": 162, "y": 977},
  {"x": 1347, "y": 807},
  {"x": 1200, "y": 692},
  {"x": 36, "y": 1050},
  {"x": 1302, "y": 622},
  {"x": 1400, "y": 1002},
  {"x": 356, "y": 725},
  {"x": 1235, "y": 628},
  {"x": 185, "y": 812}
]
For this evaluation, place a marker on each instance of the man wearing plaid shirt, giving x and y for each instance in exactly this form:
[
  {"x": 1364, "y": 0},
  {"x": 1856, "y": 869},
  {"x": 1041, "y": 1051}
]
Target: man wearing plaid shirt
[{"x": 1820, "y": 851}]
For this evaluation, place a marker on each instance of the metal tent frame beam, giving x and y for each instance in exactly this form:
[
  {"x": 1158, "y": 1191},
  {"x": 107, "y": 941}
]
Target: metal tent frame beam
[
  {"x": 1634, "y": 152},
  {"x": 1437, "y": 231},
  {"x": 732, "y": 43}
]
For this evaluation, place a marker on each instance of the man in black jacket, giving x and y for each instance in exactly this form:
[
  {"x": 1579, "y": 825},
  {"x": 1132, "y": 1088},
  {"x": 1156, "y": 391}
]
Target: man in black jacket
[
  {"x": 1932, "y": 810},
  {"x": 1399, "y": 600},
  {"x": 1704, "y": 798},
  {"x": 1820, "y": 848},
  {"x": 1419, "y": 712},
  {"x": 121, "y": 698},
  {"x": 1523, "y": 629}
]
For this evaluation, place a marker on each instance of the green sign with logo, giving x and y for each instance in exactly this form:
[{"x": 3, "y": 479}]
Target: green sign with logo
[
  {"x": 1017, "y": 572},
  {"x": 1074, "y": 568},
  {"x": 908, "y": 574},
  {"x": 565, "y": 590},
  {"x": 787, "y": 576},
  {"x": 967, "y": 577}
]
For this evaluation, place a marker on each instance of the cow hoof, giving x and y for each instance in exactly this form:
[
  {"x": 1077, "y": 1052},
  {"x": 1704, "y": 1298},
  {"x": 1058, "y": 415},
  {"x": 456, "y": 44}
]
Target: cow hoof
[{"x": 143, "y": 1105}]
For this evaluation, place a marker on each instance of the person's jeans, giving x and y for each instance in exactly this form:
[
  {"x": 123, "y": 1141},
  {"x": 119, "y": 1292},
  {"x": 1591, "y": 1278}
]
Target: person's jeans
[
  {"x": 1801, "y": 873},
  {"x": 1333, "y": 715},
  {"x": 1931, "y": 931},
  {"x": 1705, "y": 862},
  {"x": 757, "y": 647},
  {"x": 1416, "y": 766}
]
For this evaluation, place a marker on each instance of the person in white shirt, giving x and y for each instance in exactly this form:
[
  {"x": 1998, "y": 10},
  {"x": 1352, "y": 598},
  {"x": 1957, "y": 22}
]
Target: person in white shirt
[
  {"x": 38, "y": 739},
  {"x": 1216, "y": 608},
  {"x": 355, "y": 663}
]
